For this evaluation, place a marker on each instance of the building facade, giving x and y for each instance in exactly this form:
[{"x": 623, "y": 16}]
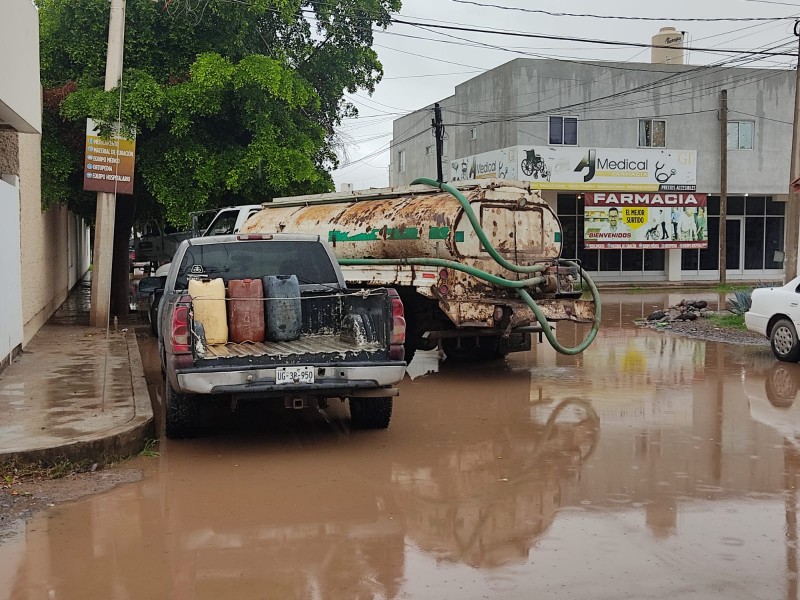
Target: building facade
[
  {"x": 43, "y": 254},
  {"x": 584, "y": 132}
]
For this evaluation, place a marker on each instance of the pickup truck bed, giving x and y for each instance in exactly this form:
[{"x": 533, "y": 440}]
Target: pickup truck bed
[
  {"x": 307, "y": 344},
  {"x": 349, "y": 345}
]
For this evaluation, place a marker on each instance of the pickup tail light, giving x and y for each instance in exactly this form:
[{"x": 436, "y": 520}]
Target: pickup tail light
[
  {"x": 180, "y": 336},
  {"x": 398, "y": 337}
]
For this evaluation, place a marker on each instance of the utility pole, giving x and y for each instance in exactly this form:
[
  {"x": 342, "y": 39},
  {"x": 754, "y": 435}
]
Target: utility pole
[
  {"x": 106, "y": 201},
  {"x": 723, "y": 187},
  {"x": 792, "y": 209},
  {"x": 438, "y": 133}
]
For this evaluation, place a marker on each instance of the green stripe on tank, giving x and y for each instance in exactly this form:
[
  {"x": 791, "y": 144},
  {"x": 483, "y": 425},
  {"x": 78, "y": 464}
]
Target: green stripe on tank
[
  {"x": 394, "y": 233},
  {"x": 558, "y": 236}
]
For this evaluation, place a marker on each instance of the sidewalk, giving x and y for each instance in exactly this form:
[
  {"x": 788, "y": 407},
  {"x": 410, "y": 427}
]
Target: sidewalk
[{"x": 75, "y": 393}]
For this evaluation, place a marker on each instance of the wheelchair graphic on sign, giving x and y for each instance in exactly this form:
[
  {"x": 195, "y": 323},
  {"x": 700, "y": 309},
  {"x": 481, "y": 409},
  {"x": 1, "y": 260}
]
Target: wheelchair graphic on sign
[{"x": 534, "y": 165}]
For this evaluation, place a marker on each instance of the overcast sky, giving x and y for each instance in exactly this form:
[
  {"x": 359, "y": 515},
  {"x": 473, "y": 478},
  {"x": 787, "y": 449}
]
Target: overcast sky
[{"x": 422, "y": 66}]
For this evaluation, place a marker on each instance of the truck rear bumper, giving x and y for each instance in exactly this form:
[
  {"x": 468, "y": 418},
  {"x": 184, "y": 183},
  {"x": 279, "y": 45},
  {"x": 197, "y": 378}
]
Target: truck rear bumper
[{"x": 329, "y": 379}]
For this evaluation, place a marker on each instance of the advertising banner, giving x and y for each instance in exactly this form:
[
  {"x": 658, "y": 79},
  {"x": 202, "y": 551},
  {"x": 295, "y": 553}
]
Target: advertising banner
[
  {"x": 585, "y": 169},
  {"x": 498, "y": 164},
  {"x": 631, "y": 220},
  {"x": 108, "y": 163}
]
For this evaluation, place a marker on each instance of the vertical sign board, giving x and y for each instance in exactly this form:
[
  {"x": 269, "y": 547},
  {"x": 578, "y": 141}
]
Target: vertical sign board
[
  {"x": 645, "y": 221},
  {"x": 108, "y": 163}
]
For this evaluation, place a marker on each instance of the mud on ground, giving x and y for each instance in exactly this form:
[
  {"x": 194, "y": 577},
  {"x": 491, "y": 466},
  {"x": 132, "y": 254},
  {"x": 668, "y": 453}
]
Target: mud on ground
[
  {"x": 22, "y": 497},
  {"x": 706, "y": 329}
]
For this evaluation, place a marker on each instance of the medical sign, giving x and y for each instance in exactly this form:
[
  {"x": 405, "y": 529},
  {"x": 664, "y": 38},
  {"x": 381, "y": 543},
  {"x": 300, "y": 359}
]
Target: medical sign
[
  {"x": 635, "y": 221},
  {"x": 109, "y": 163},
  {"x": 585, "y": 169}
]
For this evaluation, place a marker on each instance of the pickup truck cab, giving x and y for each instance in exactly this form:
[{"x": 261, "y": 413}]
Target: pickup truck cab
[{"x": 350, "y": 343}]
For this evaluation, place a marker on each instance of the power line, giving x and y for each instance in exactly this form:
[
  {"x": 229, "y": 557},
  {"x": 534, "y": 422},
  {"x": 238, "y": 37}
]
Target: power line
[
  {"x": 578, "y": 39},
  {"x": 623, "y": 17}
]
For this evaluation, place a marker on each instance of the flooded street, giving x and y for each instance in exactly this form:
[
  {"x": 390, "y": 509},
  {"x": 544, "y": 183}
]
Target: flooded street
[{"x": 650, "y": 466}]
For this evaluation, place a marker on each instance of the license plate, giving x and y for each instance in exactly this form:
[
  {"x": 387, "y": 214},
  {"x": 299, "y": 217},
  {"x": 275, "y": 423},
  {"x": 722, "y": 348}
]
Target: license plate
[{"x": 294, "y": 375}]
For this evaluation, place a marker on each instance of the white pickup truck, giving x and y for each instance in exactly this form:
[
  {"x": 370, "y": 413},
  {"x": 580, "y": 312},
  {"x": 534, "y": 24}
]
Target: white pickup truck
[{"x": 349, "y": 342}]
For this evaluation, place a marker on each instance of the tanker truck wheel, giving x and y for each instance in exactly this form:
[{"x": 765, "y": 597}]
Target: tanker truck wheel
[{"x": 370, "y": 413}]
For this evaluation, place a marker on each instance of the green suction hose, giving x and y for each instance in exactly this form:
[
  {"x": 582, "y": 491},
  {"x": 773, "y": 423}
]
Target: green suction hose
[{"x": 519, "y": 285}]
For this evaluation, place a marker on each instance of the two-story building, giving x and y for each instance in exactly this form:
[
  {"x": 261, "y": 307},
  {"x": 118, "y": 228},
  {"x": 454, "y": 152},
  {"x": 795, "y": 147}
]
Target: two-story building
[{"x": 629, "y": 148}]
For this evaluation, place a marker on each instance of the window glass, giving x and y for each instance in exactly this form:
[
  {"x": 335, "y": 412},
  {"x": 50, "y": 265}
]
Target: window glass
[
  {"x": 773, "y": 233},
  {"x": 713, "y": 205},
  {"x": 754, "y": 242},
  {"x": 610, "y": 260},
  {"x": 740, "y": 135},
  {"x": 571, "y": 131},
  {"x": 556, "y": 130},
  {"x": 632, "y": 260},
  {"x": 652, "y": 133},
  {"x": 224, "y": 224},
  {"x": 569, "y": 237},
  {"x": 746, "y": 135},
  {"x": 735, "y": 205},
  {"x": 659, "y": 134},
  {"x": 566, "y": 204},
  {"x": 775, "y": 208},
  {"x": 255, "y": 259},
  {"x": 654, "y": 260},
  {"x": 689, "y": 260},
  {"x": 754, "y": 205},
  {"x": 709, "y": 257},
  {"x": 401, "y": 161}
]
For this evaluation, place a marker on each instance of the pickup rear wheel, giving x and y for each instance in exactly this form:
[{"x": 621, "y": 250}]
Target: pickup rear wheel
[
  {"x": 181, "y": 417},
  {"x": 783, "y": 339},
  {"x": 370, "y": 413}
]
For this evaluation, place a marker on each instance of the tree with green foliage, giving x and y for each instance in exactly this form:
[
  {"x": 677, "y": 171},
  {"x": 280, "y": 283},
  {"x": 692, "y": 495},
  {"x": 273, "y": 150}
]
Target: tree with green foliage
[{"x": 232, "y": 102}]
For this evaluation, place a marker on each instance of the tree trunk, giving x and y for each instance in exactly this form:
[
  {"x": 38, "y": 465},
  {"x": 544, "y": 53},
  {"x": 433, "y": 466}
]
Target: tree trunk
[{"x": 120, "y": 271}]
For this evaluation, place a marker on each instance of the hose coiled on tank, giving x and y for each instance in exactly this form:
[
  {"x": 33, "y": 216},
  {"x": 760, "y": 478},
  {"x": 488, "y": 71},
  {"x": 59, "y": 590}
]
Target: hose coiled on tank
[{"x": 519, "y": 285}]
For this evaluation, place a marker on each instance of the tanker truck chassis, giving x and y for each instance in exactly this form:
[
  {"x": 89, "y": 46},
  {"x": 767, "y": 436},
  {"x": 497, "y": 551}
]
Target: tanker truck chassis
[{"x": 476, "y": 264}]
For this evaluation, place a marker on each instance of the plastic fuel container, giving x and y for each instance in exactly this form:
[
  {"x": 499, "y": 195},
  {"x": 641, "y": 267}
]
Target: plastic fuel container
[
  {"x": 284, "y": 313},
  {"x": 245, "y": 310},
  {"x": 208, "y": 300}
]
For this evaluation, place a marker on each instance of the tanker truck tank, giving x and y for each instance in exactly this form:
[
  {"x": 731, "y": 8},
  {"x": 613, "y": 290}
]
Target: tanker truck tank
[{"x": 473, "y": 263}]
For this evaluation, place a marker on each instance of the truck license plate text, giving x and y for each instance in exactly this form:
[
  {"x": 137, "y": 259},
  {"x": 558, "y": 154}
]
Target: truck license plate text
[{"x": 294, "y": 375}]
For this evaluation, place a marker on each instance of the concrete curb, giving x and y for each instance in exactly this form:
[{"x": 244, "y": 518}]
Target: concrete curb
[{"x": 105, "y": 446}]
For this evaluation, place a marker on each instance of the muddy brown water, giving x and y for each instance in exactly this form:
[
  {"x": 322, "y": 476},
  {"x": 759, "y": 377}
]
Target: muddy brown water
[{"x": 650, "y": 466}]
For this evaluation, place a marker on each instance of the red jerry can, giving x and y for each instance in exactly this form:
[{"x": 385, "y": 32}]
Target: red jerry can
[{"x": 246, "y": 310}]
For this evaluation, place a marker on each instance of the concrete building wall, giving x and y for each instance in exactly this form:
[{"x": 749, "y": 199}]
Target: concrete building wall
[
  {"x": 510, "y": 105},
  {"x": 51, "y": 265},
  {"x": 20, "y": 96}
]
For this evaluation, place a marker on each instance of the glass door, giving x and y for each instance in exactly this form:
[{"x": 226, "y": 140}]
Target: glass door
[{"x": 734, "y": 251}]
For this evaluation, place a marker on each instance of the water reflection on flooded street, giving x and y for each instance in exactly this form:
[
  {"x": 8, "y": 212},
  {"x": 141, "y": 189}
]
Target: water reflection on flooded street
[{"x": 650, "y": 466}]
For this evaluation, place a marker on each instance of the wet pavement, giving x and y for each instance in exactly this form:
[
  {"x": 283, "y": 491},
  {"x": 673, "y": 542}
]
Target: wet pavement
[
  {"x": 76, "y": 392},
  {"x": 650, "y": 466}
]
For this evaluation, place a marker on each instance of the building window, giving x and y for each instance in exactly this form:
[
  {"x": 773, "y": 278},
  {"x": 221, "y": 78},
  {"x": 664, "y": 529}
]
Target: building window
[
  {"x": 564, "y": 131},
  {"x": 740, "y": 135},
  {"x": 473, "y": 133},
  {"x": 652, "y": 133},
  {"x": 428, "y": 150},
  {"x": 401, "y": 161}
]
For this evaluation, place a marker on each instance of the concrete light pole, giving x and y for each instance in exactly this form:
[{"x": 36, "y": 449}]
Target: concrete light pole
[
  {"x": 792, "y": 207},
  {"x": 106, "y": 201}
]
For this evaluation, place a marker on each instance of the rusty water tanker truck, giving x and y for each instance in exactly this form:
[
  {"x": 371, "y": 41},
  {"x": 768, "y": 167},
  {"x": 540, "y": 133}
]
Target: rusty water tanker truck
[{"x": 477, "y": 264}]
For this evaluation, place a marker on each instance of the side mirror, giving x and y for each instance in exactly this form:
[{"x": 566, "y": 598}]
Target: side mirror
[{"x": 148, "y": 285}]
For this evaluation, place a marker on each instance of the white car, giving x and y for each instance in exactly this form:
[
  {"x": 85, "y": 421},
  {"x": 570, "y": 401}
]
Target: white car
[{"x": 775, "y": 313}]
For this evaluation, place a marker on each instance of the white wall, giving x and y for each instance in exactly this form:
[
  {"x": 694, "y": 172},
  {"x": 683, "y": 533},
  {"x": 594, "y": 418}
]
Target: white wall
[
  {"x": 10, "y": 272},
  {"x": 20, "y": 90}
]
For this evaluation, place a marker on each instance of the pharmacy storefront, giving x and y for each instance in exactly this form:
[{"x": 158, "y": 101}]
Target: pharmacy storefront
[{"x": 636, "y": 214}]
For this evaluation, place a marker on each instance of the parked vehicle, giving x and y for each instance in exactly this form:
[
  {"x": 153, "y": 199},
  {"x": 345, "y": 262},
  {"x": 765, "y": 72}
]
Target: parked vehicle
[
  {"x": 320, "y": 340},
  {"x": 158, "y": 243},
  {"x": 477, "y": 264},
  {"x": 775, "y": 313}
]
